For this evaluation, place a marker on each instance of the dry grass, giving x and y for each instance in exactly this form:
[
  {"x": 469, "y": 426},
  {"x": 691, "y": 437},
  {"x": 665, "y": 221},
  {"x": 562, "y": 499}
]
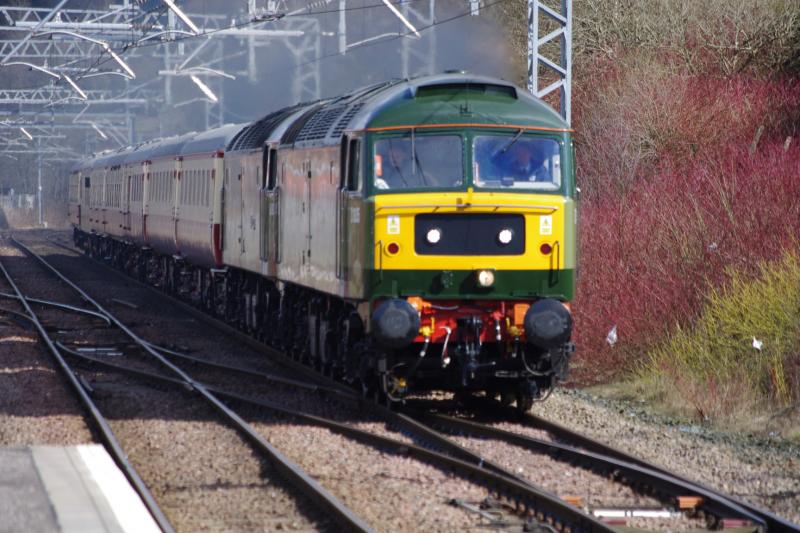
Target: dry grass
[
  {"x": 710, "y": 36},
  {"x": 713, "y": 364}
]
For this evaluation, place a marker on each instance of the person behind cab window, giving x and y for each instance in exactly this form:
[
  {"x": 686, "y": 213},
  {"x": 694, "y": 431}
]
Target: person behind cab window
[
  {"x": 523, "y": 162},
  {"x": 393, "y": 165},
  {"x": 516, "y": 162}
]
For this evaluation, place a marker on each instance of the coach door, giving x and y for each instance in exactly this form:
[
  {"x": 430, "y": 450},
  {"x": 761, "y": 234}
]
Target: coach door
[
  {"x": 232, "y": 213},
  {"x": 86, "y": 191},
  {"x": 126, "y": 203},
  {"x": 348, "y": 223},
  {"x": 239, "y": 185},
  {"x": 269, "y": 206}
]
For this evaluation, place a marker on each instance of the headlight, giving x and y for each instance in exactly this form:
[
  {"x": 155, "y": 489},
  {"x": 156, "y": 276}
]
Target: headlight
[
  {"x": 505, "y": 236},
  {"x": 485, "y": 278},
  {"x": 434, "y": 235}
]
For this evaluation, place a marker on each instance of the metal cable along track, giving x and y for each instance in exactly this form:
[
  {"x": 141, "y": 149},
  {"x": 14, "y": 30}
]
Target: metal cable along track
[
  {"x": 292, "y": 472},
  {"x": 536, "y": 502}
]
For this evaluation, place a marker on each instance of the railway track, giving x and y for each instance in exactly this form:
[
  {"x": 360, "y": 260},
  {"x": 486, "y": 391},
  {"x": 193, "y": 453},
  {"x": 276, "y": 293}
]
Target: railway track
[
  {"x": 569, "y": 446},
  {"x": 330, "y": 505},
  {"x": 417, "y": 424},
  {"x": 101, "y": 424},
  {"x": 422, "y": 420},
  {"x": 516, "y": 498},
  {"x": 558, "y": 432}
]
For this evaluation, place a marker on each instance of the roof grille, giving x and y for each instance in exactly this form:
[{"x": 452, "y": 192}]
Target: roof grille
[
  {"x": 298, "y": 125},
  {"x": 258, "y": 132},
  {"x": 319, "y": 124},
  {"x": 345, "y": 119}
]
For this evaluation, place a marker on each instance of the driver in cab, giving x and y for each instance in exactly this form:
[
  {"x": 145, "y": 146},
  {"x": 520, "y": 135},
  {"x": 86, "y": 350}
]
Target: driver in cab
[
  {"x": 522, "y": 162},
  {"x": 393, "y": 165}
]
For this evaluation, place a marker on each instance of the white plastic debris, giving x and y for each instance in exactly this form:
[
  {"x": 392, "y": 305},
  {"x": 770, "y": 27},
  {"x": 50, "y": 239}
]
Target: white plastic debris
[
  {"x": 757, "y": 344},
  {"x": 713, "y": 247},
  {"x": 611, "y": 338}
]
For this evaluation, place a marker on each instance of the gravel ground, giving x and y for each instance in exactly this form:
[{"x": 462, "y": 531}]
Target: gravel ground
[
  {"x": 391, "y": 492},
  {"x": 765, "y": 472},
  {"x": 37, "y": 407},
  {"x": 202, "y": 473}
]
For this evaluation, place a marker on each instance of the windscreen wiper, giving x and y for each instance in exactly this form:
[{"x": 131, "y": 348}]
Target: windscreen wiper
[{"x": 511, "y": 142}]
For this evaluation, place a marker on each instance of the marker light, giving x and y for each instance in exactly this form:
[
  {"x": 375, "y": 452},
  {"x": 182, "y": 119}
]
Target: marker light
[
  {"x": 505, "y": 236},
  {"x": 485, "y": 278},
  {"x": 545, "y": 249},
  {"x": 434, "y": 235},
  {"x": 392, "y": 248}
]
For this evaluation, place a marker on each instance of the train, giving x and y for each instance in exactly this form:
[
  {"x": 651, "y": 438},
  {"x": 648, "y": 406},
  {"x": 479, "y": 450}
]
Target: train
[{"x": 413, "y": 236}]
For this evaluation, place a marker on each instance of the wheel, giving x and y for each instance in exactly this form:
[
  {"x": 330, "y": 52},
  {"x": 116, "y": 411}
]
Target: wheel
[
  {"x": 524, "y": 402},
  {"x": 464, "y": 398},
  {"x": 506, "y": 398}
]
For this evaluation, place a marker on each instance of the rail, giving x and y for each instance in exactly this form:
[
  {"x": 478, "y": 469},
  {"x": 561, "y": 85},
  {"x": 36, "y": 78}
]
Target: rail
[
  {"x": 292, "y": 472},
  {"x": 102, "y": 425},
  {"x": 594, "y": 452}
]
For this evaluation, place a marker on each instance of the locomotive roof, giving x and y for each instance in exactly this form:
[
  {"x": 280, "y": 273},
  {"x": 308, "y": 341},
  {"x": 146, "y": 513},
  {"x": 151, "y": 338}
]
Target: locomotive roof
[
  {"x": 457, "y": 99},
  {"x": 450, "y": 98}
]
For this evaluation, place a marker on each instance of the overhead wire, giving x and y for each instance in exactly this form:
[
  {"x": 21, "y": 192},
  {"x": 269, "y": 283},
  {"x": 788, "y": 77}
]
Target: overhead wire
[
  {"x": 333, "y": 54},
  {"x": 122, "y": 49},
  {"x": 102, "y": 59}
]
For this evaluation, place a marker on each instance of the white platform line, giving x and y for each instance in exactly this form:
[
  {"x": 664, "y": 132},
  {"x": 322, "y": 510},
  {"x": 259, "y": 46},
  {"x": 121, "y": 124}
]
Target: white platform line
[{"x": 131, "y": 513}]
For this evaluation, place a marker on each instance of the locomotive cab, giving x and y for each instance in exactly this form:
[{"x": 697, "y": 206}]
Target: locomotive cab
[{"x": 473, "y": 249}]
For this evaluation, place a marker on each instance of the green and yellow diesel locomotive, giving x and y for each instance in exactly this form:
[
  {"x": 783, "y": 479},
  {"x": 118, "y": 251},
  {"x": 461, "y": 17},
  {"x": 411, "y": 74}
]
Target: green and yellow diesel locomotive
[{"x": 411, "y": 236}]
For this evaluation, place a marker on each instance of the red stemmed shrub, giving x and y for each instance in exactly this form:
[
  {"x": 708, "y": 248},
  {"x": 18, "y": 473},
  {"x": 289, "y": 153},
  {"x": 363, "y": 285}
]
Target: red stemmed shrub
[{"x": 691, "y": 177}]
